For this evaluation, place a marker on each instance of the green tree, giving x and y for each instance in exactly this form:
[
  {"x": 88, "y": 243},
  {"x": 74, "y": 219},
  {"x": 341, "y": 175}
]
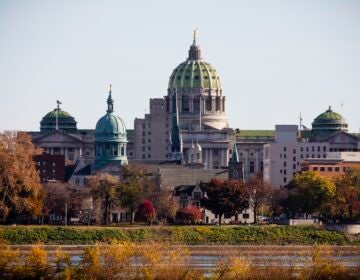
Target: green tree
[
  {"x": 104, "y": 187},
  {"x": 309, "y": 193},
  {"x": 136, "y": 184},
  {"x": 20, "y": 188},
  {"x": 225, "y": 197}
]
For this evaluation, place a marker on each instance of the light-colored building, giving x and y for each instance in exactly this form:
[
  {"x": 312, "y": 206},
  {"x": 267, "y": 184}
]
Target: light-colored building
[{"x": 284, "y": 158}]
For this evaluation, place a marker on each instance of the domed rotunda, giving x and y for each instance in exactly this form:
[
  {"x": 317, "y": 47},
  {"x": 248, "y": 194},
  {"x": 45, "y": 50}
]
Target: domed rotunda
[
  {"x": 58, "y": 119},
  {"x": 110, "y": 138},
  {"x": 197, "y": 87},
  {"x": 328, "y": 123}
]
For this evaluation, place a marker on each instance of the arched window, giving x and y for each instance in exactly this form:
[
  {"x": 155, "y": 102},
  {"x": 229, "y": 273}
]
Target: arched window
[{"x": 185, "y": 103}]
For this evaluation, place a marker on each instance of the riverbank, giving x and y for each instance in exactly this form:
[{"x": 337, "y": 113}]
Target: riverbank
[
  {"x": 125, "y": 260},
  {"x": 176, "y": 235}
]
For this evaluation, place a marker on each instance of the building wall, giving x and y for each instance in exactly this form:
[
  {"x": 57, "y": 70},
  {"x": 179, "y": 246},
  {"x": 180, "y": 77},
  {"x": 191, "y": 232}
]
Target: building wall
[
  {"x": 283, "y": 160},
  {"x": 50, "y": 167}
]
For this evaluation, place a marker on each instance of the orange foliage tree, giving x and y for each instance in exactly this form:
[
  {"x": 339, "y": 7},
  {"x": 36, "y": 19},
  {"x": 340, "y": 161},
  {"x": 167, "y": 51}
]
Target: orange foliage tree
[{"x": 20, "y": 187}]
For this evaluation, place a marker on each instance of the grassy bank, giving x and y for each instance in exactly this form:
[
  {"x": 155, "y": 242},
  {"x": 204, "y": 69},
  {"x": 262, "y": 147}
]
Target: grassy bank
[{"x": 182, "y": 235}]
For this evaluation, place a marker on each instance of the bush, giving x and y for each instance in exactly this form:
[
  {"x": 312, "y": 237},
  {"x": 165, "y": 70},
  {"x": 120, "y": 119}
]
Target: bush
[
  {"x": 189, "y": 215},
  {"x": 146, "y": 212}
]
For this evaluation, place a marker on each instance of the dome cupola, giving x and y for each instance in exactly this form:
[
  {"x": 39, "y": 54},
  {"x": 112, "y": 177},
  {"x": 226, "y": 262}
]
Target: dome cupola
[
  {"x": 194, "y": 73},
  {"x": 328, "y": 123},
  {"x": 196, "y": 85},
  {"x": 58, "y": 119},
  {"x": 110, "y": 137}
]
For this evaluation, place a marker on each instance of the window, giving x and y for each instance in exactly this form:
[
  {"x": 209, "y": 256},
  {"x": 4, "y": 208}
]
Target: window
[
  {"x": 284, "y": 149},
  {"x": 284, "y": 155},
  {"x": 185, "y": 103},
  {"x": 312, "y": 148},
  {"x": 216, "y": 152},
  {"x": 252, "y": 167},
  {"x": 280, "y": 171},
  {"x": 284, "y": 163},
  {"x": 324, "y": 148},
  {"x": 307, "y": 149},
  {"x": 284, "y": 179},
  {"x": 301, "y": 149},
  {"x": 197, "y": 195},
  {"x": 312, "y": 156},
  {"x": 284, "y": 171},
  {"x": 294, "y": 158},
  {"x": 322, "y": 168},
  {"x": 301, "y": 156},
  {"x": 294, "y": 151},
  {"x": 318, "y": 148},
  {"x": 329, "y": 169},
  {"x": 337, "y": 168},
  {"x": 294, "y": 166},
  {"x": 315, "y": 168}
]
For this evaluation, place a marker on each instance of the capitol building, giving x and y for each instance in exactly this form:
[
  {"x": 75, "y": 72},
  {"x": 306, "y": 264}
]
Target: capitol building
[{"x": 188, "y": 126}]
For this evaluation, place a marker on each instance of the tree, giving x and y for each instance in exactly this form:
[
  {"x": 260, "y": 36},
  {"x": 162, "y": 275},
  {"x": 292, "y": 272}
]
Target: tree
[
  {"x": 309, "y": 192},
  {"x": 189, "y": 215},
  {"x": 224, "y": 197},
  {"x": 135, "y": 185},
  {"x": 20, "y": 188},
  {"x": 146, "y": 212},
  {"x": 346, "y": 203},
  {"x": 104, "y": 187},
  {"x": 259, "y": 194},
  {"x": 166, "y": 206}
]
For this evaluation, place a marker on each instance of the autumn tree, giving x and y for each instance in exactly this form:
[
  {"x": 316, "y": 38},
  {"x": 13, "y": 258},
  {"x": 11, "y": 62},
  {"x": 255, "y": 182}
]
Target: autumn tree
[
  {"x": 20, "y": 188},
  {"x": 309, "y": 193},
  {"x": 188, "y": 215},
  {"x": 164, "y": 203},
  {"x": 146, "y": 212},
  {"x": 104, "y": 188},
  {"x": 346, "y": 203},
  {"x": 225, "y": 197},
  {"x": 259, "y": 194},
  {"x": 136, "y": 184}
]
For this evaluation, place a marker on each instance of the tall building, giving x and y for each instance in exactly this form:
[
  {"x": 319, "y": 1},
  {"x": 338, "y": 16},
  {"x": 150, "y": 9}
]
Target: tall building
[
  {"x": 284, "y": 158},
  {"x": 195, "y": 87}
]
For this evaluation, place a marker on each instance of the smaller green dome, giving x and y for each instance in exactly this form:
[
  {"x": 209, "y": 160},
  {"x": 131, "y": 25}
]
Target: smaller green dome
[
  {"x": 329, "y": 116},
  {"x": 58, "y": 119},
  {"x": 328, "y": 123},
  {"x": 110, "y": 126},
  {"x": 60, "y": 113}
]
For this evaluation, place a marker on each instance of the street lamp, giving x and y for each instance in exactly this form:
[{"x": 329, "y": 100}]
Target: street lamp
[{"x": 90, "y": 210}]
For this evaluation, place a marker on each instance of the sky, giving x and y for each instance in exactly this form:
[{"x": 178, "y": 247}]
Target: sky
[{"x": 275, "y": 58}]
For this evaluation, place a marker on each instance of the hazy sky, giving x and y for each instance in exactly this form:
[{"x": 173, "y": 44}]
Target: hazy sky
[{"x": 275, "y": 58}]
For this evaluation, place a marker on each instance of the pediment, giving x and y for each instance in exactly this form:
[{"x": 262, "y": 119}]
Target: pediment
[
  {"x": 342, "y": 137},
  {"x": 57, "y": 136}
]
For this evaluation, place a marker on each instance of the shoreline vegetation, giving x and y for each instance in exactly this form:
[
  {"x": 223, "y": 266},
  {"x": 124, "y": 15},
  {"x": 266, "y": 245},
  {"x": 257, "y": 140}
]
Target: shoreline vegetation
[
  {"x": 175, "y": 235},
  {"x": 126, "y": 260}
]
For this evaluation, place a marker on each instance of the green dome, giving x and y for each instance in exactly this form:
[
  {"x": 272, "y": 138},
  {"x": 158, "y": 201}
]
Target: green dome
[
  {"x": 328, "y": 123},
  {"x": 63, "y": 120},
  {"x": 110, "y": 127},
  {"x": 329, "y": 116},
  {"x": 60, "y": 113},
  {"x": 194, "y": 73},
  {"x": 110, "y": 138}
]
